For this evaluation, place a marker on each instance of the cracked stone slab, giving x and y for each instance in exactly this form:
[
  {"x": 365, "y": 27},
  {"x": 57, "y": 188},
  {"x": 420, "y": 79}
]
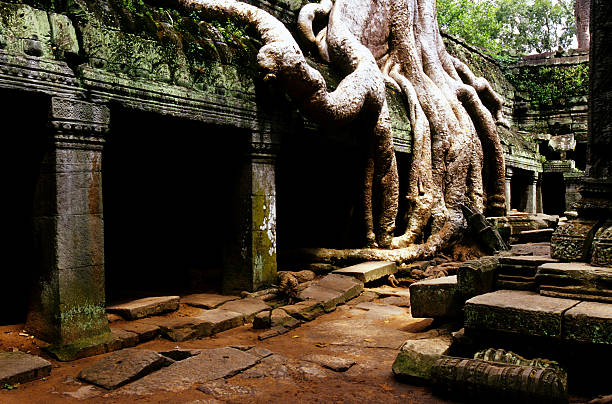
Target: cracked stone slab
[
  {"x": 332, "y": 290},
  {"x": 209, "y": 365},
  {"x": 330, "y": 362},
  {"x": 248, "y": 307},
  {"x": 207, "y": 300},
  {"x": 222, "y": 389},
  {"x": 307, "y": 310},
  {"x": 149, "y": 306},
  {"x": 19, "y": 367},
  {"x": 517, "y": 312},
  {"x": 369, "y": 271},
  {"x": 122, "y": 367},
  {"x": 183, "y": 328}
]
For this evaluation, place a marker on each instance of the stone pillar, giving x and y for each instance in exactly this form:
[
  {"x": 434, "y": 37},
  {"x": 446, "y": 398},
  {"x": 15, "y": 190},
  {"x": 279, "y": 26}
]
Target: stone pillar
[
  {"x": 539, "y": 203},
  {"x": 508, "y": 188},
  {"x": 250, "y": 261},
  {"x": 531, "y": 204},
  {"x": 68, "y": 303}
]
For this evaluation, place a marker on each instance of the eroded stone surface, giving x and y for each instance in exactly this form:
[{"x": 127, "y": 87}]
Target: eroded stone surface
[
  {"x": 332, "y": 290},
  {"x": 19, "y": 367},
  {"x": 517, "y": 312},
  {"x": 145, "y": 331},
  {"x": 222, "y": 319},
  {"x": 417, "y": 358},
  {"x": 576, "y": 280},
  {"x": 248, "y": 307},
  {"x": 121, "y": 367},
  {"x": 183, "y": 328},
  {"x": 146, "y": 307},
  {"x": 369, "y": 271},
  {"x": 207, "y": 300}
]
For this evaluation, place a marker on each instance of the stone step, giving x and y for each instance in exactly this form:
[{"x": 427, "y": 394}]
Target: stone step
[
  {"x": 19, "y": 367},
  {"x": 517, "y": 312},
  {"x": 369, "y": 271},
  {"x": 576, "y": 280},
  {"x": 589, "y": 322},
  {"x": 438, "y": 297},
  {"x": 248, "y": 307},
  {"x": 149, "y": 306}
]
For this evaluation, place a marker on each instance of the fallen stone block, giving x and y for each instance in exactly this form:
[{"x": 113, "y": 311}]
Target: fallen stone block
[
  {"x": 517, "y": 312},
  {"x": 273, "y": 332},
  {"x": 519, "y": 272},
  {"x": 473, "y": 380},
  {"x": 589, "y": 322},
  {"x": 477, "y": 277},
  {"x": 221, "y": 319},
  {"x": 417, "y": 357},
  {"x": 306, "y": 310},
  {"x": 19, "y": 367},
  {"x": 121, "y": 339},
  {"x": 534, "y": 236},
  {"x": 279, "y": 317},
  {"x": 248, "y": 307},
  {"x": 207, "y": 300},
  {"x": 145, "y": 331},
  {"x": 262, "y": 320},
  {"x": 330, "y": 362},
  {"x": 348, "y": 286},
  {"x": 183, "y": 328},
  {"x": 327, "y": 297},
  {"x": 575, "y": 280},
  {"x": 146, "y": 307},
  {"x": 438, "y": 297},
  {"x": 122, "y": 367},
  {"x": 369, "y": 271}
]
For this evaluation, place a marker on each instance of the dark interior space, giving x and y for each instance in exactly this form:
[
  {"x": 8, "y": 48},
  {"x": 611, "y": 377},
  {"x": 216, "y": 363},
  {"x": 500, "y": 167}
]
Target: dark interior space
[
  {"x": 553, "y": 193},
  {"x": 319, "y": 190},
  {"x": 168, "y": 190},
  {"x": 518, "y": 186},
  {"x": 24, "y": 130}
]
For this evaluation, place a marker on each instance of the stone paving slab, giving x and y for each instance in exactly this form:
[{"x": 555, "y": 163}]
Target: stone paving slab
[
  {"x": 369, "y": 271},
  {"x": 183, "y": 328},
  {"x": 306, "y": 310},
  {"x": 527, "y": 260},
  {"x": 209, "y": 365},
  {"x": 436, "y": 298},
  {"x": 248, "y": 307},
  {"x": 145, "y": 331},
  {"x": 122, "y": 367},
  {"x": 149, "y": 306},
  {"x": 517, "y": 312},
  {"x": 330, "y": 362},
  {"x": 121, "y": 339},
  {"x": 222, "y": 319},
  {"x": 332, "y": 290},
  {"x": 329, "y": 298},
  {"x": 207, "y": 300},
  {"x": 386, "y": 291},
  {"x": 589, "y": 322},
  {"x": 20, "y": 367}
]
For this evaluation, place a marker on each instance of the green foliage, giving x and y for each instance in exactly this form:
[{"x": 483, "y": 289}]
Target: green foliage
[
  {"x": 552, "y": 86},
  {"x": 510, "y": 26},
  {"x": 10, "y": 386}
]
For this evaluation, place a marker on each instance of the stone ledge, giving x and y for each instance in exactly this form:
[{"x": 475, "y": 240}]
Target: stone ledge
[{"x": 369, "y": 271}]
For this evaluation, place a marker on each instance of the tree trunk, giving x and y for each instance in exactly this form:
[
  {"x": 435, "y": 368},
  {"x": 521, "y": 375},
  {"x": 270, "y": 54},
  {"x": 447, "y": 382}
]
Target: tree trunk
[{"x": 582, "y": 12}]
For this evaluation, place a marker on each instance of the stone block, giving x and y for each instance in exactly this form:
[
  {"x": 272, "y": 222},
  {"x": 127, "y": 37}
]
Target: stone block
[
  {"x": 517, "y": 313},
  {"x": 183, "y": 328},
  {"x": 602, "y": 246},
  {"x": 262, "y": 320},
  {"x": 576, "y": 280},
  {"x": 369, "y": 271},
  {"x": 477, "y": 277},
  {"x": 348, "y": 286},
  {"x": 84, "y": 347},
  {"x": 436, "y": 298},
  {"x": 248, "y": 307},
  {"x": 207, "y": 300},
  {"x": 306, "y": 310},
  {"x": 280, "y": 317},
  {"x": 330, "y": 362},
  {"x": 535, "y": 236},
  {"x": 145, "y": 331},
  {"x": 572, "y": 241},
  {"x": 121, "y": 339},
  {"x": 222, "y": 319},
  {"x": 589, "y": 322},
  {"x": 19, "y": 367},
  {"x": 149, "y": 306},
  {"x": 417, "y": 357},
  {"x": 327, "y": 297},
  {"x": 122, "y": 367}
]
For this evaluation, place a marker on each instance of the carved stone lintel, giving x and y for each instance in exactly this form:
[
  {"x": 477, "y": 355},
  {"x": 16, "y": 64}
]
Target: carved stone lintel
[{"x": 572, "y": 241}]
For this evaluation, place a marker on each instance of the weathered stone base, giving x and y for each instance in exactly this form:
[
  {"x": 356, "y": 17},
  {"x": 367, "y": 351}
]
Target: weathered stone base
[
  {"x": 19, "y": 367},
  {"x": 575, "y": 280},
  {"x": 571, "y": 241},
  {"x": 602, "y": 246},
  {"x": 436, "y": 298},
  {"x": 83, "y": 348}
]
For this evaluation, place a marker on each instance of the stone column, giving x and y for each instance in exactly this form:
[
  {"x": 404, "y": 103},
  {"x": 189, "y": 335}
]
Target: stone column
[
  {"x": 508, "y": 188},
  {"x": 531, "y": 205},
  {"x": 250, "y": 261},
  {"x": 539, "y": 203},
  {"x": 68, "y": 303}
]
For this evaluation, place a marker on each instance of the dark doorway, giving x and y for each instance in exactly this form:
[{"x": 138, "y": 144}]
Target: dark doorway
[
  {"x": 553, "y": 193},
  {"x": 24, "y": 130},
  {"x": 168, "y": 188},
  {"x": 518, "y": 189}
]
